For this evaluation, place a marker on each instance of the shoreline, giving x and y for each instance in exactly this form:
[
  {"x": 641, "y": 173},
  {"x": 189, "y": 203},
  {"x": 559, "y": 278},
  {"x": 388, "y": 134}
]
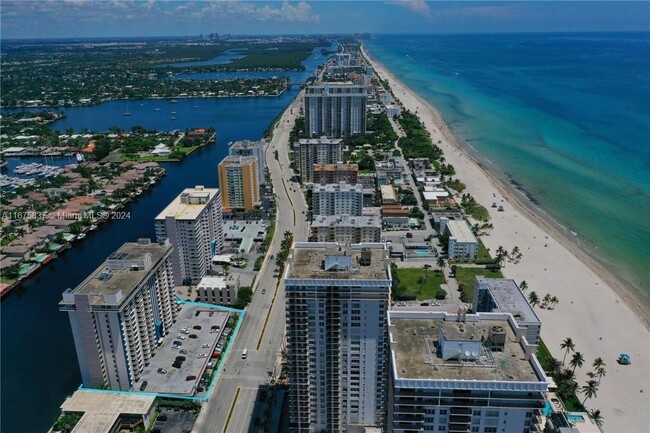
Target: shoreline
[
  {"x": 589, "y": 311},
  {"x": 633, "y": 296}
]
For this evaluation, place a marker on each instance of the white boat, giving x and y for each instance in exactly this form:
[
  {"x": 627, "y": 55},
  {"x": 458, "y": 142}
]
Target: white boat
[
  {"x": 81, "y": 236},
  {"x": 157, "y": 109},
  {"x": 93, "y": 227}
]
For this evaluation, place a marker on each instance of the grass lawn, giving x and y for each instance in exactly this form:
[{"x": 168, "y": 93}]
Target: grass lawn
[
  {"x": 465, "y": 278},
  {"x": 483, "y": 254},
  {"x": 412, "y": 282},
  {"x": 543, "y": 354},
  {"x": 478, "y": 212}
]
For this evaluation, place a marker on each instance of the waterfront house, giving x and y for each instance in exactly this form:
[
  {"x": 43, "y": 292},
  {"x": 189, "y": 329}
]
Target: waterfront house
[{"x": 38, "y": 197}]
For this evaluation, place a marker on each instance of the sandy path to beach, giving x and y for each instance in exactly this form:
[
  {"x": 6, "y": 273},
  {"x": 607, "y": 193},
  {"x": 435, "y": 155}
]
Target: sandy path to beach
[{"x": 590, "y": 311}]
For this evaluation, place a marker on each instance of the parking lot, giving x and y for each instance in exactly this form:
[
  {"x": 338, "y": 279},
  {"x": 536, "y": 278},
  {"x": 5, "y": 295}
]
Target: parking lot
[
  {"x": 194, "y": 336},
  {"x": 244, "y": 233}
]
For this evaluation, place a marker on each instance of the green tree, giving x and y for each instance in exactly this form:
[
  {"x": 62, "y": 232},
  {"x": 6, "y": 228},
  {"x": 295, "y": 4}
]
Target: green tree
[
  {"x": 12, "y": 271},
  {"x": 523, "y": 285},
  {"x": 601, "y": 372},
  {"x": 577, "y": 360},
  {"x": 568, "y": 346},
  {"x": 597, "y": 417},
  {"x": 441, "y": 263},
  {"x": 426, "y": 268},
  {"x": 533, "y": 299},
  {"x": 244, "y": 296},
  {"x": 589, "y": 390}
]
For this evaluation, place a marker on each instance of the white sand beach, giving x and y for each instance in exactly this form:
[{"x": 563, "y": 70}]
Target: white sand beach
[{"x": 595, "y": 310}]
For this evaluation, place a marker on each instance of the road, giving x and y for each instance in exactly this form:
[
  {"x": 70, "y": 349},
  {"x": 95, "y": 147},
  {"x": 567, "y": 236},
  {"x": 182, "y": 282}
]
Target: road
[
  {"x": 248, "y": 375},
  {"x": 407, "y": 170}
]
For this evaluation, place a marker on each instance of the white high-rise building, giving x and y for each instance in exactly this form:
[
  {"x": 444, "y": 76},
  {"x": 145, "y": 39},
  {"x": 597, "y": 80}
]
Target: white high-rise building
[
  {"x": 462, "y": 373},
  {"x": 316, "y": 151},
  {"x": 335, "y": 110},
  {"x": 337, "y": 199},
  {"x": 193, "y": 224},
  {"x": 119, "y": 312},
  {"x": 337, "y": 298}
]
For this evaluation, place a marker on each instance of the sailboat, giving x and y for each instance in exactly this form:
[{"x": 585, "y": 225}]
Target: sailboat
[{"x": 126, "y": 110}]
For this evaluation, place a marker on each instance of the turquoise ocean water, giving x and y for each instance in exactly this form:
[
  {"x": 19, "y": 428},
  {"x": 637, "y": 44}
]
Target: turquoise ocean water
[{"x": 567, "y": 116}]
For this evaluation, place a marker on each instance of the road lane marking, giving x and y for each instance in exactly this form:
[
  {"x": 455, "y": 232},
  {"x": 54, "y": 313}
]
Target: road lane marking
[{"x": 232, "y": 407}]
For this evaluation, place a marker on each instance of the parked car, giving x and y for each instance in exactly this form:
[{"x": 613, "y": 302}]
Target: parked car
[
  {"x": 162, "y": 371},
  {"x": 177, "y": 364},
  {"x": 201, "y": 355},
  {"x": 197, "y": 327},
  {"x": 190, "y": 377},
  {"x": 180, "y": 358},
  {"x": 183, "y": 351},
  {"x": 181, "y": 337},
  {"x": 143, "y": 386},
  {"x": 205, "y": 346},
  {"x": 193, "y": 336}
]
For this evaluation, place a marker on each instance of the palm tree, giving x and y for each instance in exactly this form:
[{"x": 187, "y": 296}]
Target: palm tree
[
  {"x": 547, "y": 299},
  {"x": 597, "y": 417},
  {"x": 533, "y": 299},
  {"x": 577, "y": 360},
  {"x": 600, "y": 372},
  {"x": 589, "y": 390},
  {"x": 598, "y": 362},
  {"x": 568, "y": 346},
  {"x": 441, "y": 263},
  {"x": 523, "y": 285},
  {"x": 515, "y": 252},
  {"x": 426, "y": 269},
  {"x": 554, "y": 301}
]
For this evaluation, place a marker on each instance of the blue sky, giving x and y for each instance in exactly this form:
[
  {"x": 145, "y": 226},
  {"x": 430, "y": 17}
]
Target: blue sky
[{"x": 109, "y": 18}]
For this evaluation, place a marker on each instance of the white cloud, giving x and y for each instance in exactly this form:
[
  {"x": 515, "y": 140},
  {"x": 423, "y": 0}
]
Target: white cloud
[
  {"x": 298, "y": 12},
  {"x": 418, "y": 6}
]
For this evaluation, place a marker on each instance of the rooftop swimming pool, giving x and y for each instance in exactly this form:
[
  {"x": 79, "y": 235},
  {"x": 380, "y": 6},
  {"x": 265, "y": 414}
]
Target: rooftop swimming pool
[{"x": 548, "y": 409}]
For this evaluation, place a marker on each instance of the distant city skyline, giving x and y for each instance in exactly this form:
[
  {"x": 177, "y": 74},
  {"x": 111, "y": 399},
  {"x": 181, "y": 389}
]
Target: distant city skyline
[{"x": 149, "y": 18}]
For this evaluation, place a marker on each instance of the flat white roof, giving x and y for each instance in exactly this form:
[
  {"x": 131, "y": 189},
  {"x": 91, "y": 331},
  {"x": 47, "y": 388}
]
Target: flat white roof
[
  {"x": 388, "y": 192},
  {"x": 189, "y": 211},
  {"x": 211, "y": 281},
  {"x": 435, "y": 195},
  {"x": 13, "y": 149},
  {"x": 102, "y": 409},
  {"x": 460, "y": 231},
  {"x": 224, "y": 258}
]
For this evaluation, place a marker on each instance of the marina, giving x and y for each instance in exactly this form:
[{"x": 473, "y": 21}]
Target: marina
[{"x": 38, "y": 170}]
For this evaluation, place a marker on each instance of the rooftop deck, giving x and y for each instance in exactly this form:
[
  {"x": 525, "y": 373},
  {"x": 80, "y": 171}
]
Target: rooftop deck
[{"x": 414, "y": 343}]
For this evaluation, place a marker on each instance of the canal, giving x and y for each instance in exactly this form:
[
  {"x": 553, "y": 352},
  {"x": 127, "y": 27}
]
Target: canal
[{"x": 38, "y": 362}]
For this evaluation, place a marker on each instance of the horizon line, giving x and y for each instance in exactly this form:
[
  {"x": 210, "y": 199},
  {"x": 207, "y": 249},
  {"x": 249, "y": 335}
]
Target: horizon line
[{"x": 269, "y": 35}]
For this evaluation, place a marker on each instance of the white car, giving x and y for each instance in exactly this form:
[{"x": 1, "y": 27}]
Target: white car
[
  {"x": 206, "y": 345},
  {"x": 181, "y": 337},
  {"x": 201, "y": 355}
]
